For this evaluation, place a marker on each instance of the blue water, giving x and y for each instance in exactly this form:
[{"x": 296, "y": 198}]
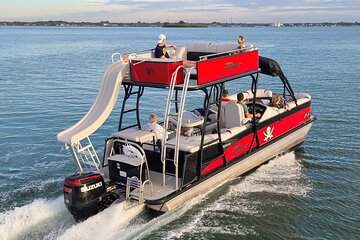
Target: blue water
[{"x": 49, "y": 78}]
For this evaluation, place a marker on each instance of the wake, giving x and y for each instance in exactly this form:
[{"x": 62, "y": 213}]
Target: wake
[
  {"x": 105, "y": 224},
  {"x": 49, "y": 219},
  {"x": 281, "y": 176},
  {"x": 34, "y": 220}
]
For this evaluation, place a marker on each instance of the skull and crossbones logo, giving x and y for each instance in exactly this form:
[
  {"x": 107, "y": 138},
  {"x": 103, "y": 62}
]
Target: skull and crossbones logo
[{"x": 268, "y": 134}]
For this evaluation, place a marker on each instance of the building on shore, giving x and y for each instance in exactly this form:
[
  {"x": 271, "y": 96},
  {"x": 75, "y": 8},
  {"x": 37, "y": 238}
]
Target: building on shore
[{"x": 277, "y": 24}]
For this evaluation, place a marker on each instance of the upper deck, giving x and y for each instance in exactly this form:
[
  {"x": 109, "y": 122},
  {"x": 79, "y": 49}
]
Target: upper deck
[{"x": 215, "y": 63}]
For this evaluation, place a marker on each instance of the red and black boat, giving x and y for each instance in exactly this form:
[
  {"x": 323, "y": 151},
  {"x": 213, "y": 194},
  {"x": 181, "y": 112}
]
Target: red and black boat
[{"x": 164, "y": 172}]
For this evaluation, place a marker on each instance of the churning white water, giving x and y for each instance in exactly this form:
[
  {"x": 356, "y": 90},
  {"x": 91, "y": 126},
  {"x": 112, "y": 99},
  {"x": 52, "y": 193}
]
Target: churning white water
[
  {"x": 49, "y": 219},
  {"x": 32, "y": 220}
]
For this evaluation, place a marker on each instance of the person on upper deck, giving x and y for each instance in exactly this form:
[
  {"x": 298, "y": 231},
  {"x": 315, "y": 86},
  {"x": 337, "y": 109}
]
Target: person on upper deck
[
  {"x": 161, "y": 52},
  {"x": 241, "y": 42},
  {"x": 160, "y": 49},
  {"x": 241, "y": 101}
]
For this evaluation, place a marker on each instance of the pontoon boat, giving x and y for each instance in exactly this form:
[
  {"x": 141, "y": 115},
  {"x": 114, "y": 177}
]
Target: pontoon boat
[{"x": 164, "y": 173}]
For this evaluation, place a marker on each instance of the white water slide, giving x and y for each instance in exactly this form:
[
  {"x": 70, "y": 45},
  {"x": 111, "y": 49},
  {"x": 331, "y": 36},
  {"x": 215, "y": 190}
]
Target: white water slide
[{"x": 101, "y": 108}]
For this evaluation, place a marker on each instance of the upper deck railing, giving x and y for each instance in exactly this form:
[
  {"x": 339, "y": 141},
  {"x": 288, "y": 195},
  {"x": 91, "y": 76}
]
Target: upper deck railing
[{"x": 211, "y": 67}]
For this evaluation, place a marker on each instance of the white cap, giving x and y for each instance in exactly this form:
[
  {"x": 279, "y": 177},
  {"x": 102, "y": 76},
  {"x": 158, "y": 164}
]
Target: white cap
[{"x": 161, "y": 38}]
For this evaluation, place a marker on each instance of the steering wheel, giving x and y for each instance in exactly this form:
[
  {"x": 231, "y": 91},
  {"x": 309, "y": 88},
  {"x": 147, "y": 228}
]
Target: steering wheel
[{"x": 258, "y": 109}]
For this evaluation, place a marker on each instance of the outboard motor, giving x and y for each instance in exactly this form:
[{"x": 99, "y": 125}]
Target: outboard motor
[{"x": 83, "y": 192}]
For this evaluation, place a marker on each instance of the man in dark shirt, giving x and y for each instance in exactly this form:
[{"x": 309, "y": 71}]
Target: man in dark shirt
[{"x": 160, "y": 50}]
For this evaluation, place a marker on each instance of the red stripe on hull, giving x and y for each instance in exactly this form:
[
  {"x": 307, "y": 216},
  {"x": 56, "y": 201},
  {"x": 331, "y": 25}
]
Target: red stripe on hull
[
  {"x": 239, "y": 148},
  {"x": 271, "y": 132},
  {"x": 213, "y": 165},
  {"x": 265, "y": 134}
]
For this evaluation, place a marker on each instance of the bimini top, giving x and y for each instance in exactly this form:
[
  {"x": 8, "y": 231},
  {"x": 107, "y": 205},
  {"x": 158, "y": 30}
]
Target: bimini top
[{"x": 269, "y": 67}]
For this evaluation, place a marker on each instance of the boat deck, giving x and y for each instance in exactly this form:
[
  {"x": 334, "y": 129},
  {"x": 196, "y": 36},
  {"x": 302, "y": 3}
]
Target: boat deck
[{"x": 159, "y": 190}]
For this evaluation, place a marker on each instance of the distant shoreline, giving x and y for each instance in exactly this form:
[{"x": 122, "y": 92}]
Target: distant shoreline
[{"x": 180, "y": 24}]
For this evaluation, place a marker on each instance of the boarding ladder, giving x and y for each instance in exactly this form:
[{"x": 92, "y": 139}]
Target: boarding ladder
[
  {"x": 134, "y": 183},
  {"x": 85, "y": 155},
  {"x": 171, "y": 100}
]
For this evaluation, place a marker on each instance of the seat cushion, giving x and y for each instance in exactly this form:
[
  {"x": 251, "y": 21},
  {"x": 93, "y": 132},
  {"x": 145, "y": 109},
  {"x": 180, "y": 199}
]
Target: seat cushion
[
  {"x": 233, "y": 114},
  {"x": 135, "y": 135}
]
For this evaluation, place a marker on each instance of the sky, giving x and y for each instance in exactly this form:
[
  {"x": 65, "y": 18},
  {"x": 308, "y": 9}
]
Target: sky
[{"x": 240, "y": 11}]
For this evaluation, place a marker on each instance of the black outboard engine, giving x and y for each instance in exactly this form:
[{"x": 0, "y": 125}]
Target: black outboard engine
[{"x": 82, "y": 194}]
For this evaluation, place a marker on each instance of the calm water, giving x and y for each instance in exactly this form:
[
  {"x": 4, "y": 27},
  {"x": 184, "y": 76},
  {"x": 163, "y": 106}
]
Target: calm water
[{"x": 49, "y": 78}]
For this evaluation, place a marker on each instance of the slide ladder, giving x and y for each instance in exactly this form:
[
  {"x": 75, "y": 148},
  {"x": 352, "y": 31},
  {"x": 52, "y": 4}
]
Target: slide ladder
[
  {"x": 76, "y": 138},
  {"x": 85, "y": 156},
  {"x": 171, "y": 100}
]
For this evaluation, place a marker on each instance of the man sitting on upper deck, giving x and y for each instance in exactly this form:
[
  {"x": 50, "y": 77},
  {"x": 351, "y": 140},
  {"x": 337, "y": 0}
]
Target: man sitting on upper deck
[{"x": 161, "y": 52}]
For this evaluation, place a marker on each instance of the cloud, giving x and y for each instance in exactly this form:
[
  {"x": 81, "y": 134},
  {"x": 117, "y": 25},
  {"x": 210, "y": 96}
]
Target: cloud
[
  {"x": 189, "y": 10},
  {"x": 234, "y": 6}
]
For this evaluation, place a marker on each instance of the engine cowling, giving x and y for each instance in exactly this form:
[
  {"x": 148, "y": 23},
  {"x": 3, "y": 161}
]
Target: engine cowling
[{"x": 82, "y": 193}]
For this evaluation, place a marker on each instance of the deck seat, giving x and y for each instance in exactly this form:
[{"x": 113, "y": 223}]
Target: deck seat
[
  {"x": 260, "y": 93},
  {"x": 135, "y": 135},
  {"x": 192, "y": 144},
  {"x": 300, "y": 98},
  {"x": 233, "y": 115},
  {"x": 302, "y": 95},
  {"x": 214, "y": 108},
  {"x": 226, "y": 47},
  {"x": 269, "y": 113},
  {"x": 181, "y": 53},
  {"x": 279, "y": 110}
]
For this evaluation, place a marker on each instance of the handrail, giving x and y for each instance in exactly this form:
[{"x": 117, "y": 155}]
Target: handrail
[
  {"x": 167, "y": 111},
  {"x": 139, "y": 51},
  {"x": 142, "y": 187},
  {"x": 166, "y": 123},
  {"x": 113, "y": 55},
  {"x": 146, "y": 59},
  {"x": 85, "y": 154},
  {"x": 252, "y": 47},
  {"x": 180, "y": 116},
  {"x": 179, "y": 122},
  {"x": 143, "y": 160}
]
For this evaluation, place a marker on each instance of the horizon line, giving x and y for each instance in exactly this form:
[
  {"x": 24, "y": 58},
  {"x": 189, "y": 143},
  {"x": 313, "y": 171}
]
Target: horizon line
[{"x": 106, "y": 21}]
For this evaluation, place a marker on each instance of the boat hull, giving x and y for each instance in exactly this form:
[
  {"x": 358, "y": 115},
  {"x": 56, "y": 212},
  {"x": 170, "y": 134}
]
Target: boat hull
[{"x": 281, "y": 145}]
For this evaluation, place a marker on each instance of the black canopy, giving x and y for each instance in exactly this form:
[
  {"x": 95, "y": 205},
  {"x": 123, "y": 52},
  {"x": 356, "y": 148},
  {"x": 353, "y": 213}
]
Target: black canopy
[{"x": 272, "y": 68}]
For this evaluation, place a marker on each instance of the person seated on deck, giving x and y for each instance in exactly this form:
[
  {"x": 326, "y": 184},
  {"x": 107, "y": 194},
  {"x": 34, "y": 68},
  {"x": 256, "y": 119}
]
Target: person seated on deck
[
  {"x": 154, "y": 127},
  {"x": 241, "y": 42},
  {"x": 225, "y": 96},
  {"x": 241, "y": 101},
  {"x": 278, "y": 102},
  {"x": 187, "y": 131},
  {"x": 161, "y": 52}
]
